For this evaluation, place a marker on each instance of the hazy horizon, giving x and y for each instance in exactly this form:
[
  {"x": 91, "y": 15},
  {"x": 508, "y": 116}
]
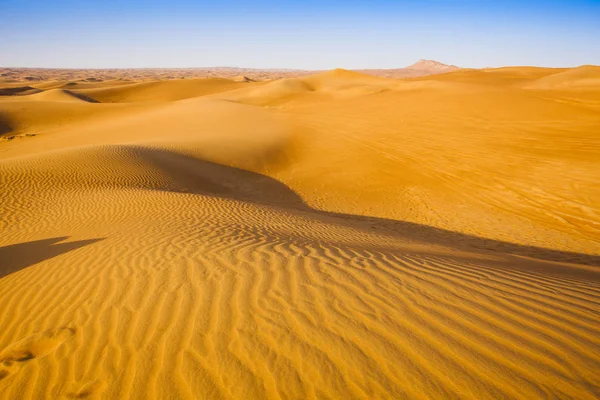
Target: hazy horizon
[
  {"x": 286, "y": 35},
  {"x": 282, "y": 69}
]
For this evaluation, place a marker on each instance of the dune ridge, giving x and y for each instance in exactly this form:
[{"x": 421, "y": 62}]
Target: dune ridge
[{"x": 331, "y": 236}]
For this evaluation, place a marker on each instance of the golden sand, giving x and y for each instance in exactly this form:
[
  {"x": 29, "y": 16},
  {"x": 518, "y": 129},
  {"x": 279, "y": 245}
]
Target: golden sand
[{"x": 335, "y": 236}]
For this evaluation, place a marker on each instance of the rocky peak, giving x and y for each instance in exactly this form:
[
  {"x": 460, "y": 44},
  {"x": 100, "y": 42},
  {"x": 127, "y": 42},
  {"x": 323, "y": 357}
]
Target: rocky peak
[{"x": 431, "y": 65}]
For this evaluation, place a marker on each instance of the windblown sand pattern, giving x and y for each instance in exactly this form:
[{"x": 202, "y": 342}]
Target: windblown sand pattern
[{"x": 335, "y": 236}]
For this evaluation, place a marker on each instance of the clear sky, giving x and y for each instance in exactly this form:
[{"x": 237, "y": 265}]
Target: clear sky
[{"x": 309, "y": 34}]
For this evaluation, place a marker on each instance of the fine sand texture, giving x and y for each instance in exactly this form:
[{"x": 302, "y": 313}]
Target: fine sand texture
[{"x": 332, "y": 236}]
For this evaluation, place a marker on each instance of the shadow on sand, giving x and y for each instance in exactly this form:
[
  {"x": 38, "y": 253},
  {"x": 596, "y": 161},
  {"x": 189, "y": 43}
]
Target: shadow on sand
[
  {"x": 16, "y": 257},
  {"x": 192, "y": 175},
  {"x": 5, "y": 125}
]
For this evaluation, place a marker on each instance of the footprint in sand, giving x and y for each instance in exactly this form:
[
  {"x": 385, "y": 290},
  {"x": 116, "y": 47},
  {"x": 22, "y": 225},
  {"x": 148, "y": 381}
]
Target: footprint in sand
[{"x": 13, "y": 357}]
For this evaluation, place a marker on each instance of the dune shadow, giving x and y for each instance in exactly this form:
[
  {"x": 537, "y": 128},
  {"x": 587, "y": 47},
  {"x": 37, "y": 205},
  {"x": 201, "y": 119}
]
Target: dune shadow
[
  {"x": 189, "y": 174},
  {"x": 192, "y": 175},
  {"x": 81, "y": 96},
  {"x": 19, "y": 91},
  {"x": 16, "y": 257},
  {"x": 462, "y": 241},
  {"x": 5, "y": 125}
]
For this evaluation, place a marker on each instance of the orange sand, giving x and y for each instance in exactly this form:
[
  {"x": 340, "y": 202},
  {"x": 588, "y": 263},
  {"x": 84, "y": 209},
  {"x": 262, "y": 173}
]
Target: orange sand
[{"x": 336, "y": 236}]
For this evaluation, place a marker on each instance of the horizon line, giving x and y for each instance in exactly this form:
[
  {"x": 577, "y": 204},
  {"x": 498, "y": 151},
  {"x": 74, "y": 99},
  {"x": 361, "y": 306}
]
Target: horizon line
[{"x": 284, "y": 68}]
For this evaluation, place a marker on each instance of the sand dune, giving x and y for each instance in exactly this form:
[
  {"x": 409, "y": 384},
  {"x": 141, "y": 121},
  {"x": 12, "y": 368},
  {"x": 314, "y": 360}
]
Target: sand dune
[
  {"x": 162, "y": 91},
  {"x": 336, "y": 84},
  {"x": 582, "y": 78},
  {"x": 61, "y": 95},
  {"x": 18, "y": 90},
  {"x": 330, "y": 236}
]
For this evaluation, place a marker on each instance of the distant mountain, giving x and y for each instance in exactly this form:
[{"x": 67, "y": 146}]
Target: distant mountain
[
  {"x": 432, "y": 66},
  {"x": 420, "y": 68}
]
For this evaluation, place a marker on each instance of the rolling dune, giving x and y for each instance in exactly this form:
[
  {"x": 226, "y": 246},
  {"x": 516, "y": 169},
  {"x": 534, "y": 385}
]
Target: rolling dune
[
  {"x": 333, "y": 236},
  {"x": 163, "y": 91}
]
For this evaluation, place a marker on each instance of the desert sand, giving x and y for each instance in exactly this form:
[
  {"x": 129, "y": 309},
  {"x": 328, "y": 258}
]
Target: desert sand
[
  {"x": 95, "y": 76},
  {"x": 328, "y": 236}
]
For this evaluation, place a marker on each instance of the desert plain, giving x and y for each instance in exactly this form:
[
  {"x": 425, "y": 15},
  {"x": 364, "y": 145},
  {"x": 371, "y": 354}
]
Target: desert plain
[{"x": 335, "y": 235}]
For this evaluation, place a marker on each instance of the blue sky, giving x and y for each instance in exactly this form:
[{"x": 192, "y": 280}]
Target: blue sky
[{"x": 297, "y": 34}]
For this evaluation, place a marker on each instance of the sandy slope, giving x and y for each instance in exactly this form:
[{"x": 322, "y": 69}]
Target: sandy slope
[{"x": 333, "y": 236}]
